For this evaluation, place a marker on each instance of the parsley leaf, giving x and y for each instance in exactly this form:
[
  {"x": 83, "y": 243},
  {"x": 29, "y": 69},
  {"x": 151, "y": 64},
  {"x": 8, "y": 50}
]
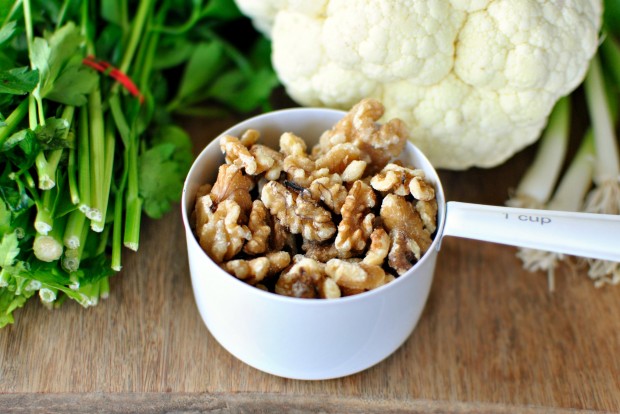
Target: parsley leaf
[
  {"x": 56, "y": 56},
  {"x": 6, "y": 30},
  {"x": 9, "y": 249},
  {"x": 53, "y": 134},
  {"x": 162, "y": 170},
  {"x": 18, "y": 81}
]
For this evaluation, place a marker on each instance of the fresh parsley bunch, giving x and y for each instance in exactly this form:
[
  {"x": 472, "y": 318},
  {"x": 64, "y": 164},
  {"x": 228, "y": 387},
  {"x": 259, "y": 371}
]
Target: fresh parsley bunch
[{"x": 87, "y": 134}]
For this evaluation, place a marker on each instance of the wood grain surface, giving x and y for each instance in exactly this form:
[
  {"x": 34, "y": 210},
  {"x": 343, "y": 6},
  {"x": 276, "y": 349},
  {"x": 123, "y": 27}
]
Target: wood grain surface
[{"x": 492, "y": 338}]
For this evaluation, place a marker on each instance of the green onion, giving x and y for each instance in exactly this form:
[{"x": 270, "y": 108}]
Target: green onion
[
  {"x": 568, "y": 196},
  {"x": 605, "y": 197},
  {"x": 538, "y": 182}
]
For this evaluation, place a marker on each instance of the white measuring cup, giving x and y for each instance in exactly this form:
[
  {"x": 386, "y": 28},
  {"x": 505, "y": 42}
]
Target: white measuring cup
[{"x": 321, "y": 339}]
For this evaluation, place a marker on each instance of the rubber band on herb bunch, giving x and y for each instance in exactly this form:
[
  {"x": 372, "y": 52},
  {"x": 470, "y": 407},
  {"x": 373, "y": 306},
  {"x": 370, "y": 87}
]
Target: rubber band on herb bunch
[{"x": 107, "y": 69}]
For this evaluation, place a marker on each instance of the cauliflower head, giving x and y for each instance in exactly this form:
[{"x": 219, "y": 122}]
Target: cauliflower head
[{"x": 475, "y": 80}]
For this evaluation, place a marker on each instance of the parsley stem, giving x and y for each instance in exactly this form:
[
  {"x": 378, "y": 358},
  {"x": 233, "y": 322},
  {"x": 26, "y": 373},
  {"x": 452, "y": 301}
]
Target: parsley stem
[
  {"x": 11, "y": 12},
  {"x": 62, "y": 13},
  {"x": 133, "y": 212},
  {"x": 72, "y": 176},
  {"x": 95, "y": 132},
  {"x": 110, "y": 143},
  {"x": 28, "y": 24},
  {"x": 146, "y": 54},
  {"x": 117, "y": 231},
  {"x": 32, "y": 112},
  {"x": 13, "y": 120},
  {"x": 46, "y": 167},
  {"x": 44, "y": 222},
  {"x": 97, "y": 154},
  {"x": 137, "y": 26},
  {"x": 73, "y": 256},
  {"x": 104, "y": 287},
  {"x": 83, "y": 153},
  {"x": 73, "y": 231},
  {"x": 89, "y": 294}
]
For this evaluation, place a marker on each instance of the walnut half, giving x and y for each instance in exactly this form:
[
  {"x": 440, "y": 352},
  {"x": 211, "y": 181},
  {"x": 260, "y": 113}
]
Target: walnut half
[
  {"x": 298, "y": 212},
  {"x": 409, "y": 237},
  {"x": 357, "y": 219}
]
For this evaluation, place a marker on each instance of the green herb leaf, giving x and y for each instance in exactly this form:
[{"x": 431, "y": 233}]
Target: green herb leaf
[
  {"x": 611, "y": 16},
  {"x": 16, "y": 201},
  {"x": 9, "y": 301},
  {"x": 9, "y": 249},
  {"x": 173, "y": 52},
  {"x": 53, "y": 135},
  {"x": 5, "y": 219},
  {"x": 62, "y": 77},
  {"x": 255, "y": 89},
  {"x": 21, "y": 148},
  {"x": 18, "y": 81},
  {"x": 162, "y": 170},
  {"x": 7, "y": 30},
  {"x": 72, "y": 85},
  {"x": 206, "y": 61},
  {"x": 222, "y": 9}
]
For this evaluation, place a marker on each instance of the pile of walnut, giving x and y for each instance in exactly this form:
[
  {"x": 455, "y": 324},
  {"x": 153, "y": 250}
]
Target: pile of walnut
[{"x": 318, "y": 224}]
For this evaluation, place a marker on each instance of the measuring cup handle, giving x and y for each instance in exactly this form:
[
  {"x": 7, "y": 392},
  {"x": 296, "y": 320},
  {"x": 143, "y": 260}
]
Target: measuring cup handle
[{"x": 590, "y": 235}]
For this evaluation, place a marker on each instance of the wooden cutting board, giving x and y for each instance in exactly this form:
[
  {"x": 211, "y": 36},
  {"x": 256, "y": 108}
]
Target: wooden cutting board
[{"x": 492, "y": 337}]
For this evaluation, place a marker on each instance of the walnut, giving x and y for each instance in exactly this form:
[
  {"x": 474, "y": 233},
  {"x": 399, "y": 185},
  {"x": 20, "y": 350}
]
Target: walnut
[
  {"x": 409, "y": 237},
  {"x": 281, "y": 238},
  {"x": 396, "y": 179},
  {"x": 357, "y": 218},
  {"x": 356, "y": 276},
  {"x": 268, "y": 161},
  {"x": 421, "y": 190},
  {"x": 219, "y": 232},
  {"x": 329, "y": 289},
  {"x": 360, "y": 127},
  {"x": 428, "y": 212},
  {"x": 301, "y": 169},
  {"x": 354, "y": 171},
  {"x": 305, "y": 279},
  {"x": 403, "y": 252},
  {"x": 203, "y": 190},
  {"x": 257, "y": 223},
  {"x": 249, "y": 138},
  {"x": 299, "y": 213},
  {"x": 291, "y": 144},
  {"x": 237, "y": 154},
  {"x": 379, "y": 247},
  {"x": 256, "y": 270},
  {"x": 330, "y": 191},
  {"x": 340, "y": 156},
  {"x": 232, "y": 184},
  {"x": 323, "y": 252}
]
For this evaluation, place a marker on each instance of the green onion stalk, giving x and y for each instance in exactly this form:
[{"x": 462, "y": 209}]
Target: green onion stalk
[
  {"x": 568, "y": 196},
  {"x": 605, "y": 196},
  {"x": 538, "y": 182}
]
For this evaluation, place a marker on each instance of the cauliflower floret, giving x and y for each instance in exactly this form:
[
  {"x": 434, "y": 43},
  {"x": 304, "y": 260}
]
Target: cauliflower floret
[{"x": 475, "y": 80}]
